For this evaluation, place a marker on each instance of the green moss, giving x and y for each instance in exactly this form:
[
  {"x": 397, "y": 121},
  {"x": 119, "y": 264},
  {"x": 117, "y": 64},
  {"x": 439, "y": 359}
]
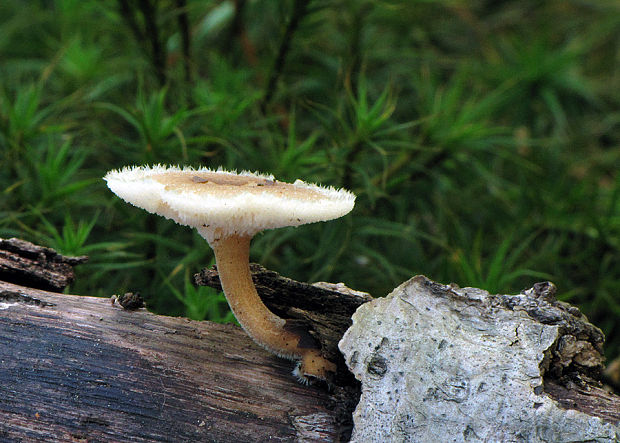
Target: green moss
[{"x": 481, "y": 139}]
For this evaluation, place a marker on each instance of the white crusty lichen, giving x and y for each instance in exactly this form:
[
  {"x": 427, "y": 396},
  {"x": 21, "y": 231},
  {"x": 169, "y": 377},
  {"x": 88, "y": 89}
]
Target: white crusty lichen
[{"x": 441, "y": 363}]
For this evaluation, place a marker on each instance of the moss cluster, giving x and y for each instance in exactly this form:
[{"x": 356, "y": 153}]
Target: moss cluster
[{"x": 481, "y": 138}]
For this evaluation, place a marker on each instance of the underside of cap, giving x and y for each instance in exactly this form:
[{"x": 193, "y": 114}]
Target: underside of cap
[{"x": 231, "y": 203}]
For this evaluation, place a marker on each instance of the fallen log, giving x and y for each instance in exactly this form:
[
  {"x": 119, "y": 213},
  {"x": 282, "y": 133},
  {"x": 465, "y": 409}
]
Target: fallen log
[{"x": 76, "y": 368}]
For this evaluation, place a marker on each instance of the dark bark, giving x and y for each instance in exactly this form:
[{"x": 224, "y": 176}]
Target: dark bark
[
  {"x": 587, "y": 397},
  {"x": 27, "y": 264},
  {"x": 83, "y": 369}
]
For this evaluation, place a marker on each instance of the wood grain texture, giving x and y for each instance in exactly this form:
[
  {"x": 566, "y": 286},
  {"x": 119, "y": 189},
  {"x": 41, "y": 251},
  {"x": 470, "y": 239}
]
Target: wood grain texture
[{"x": 75, "y": 368}]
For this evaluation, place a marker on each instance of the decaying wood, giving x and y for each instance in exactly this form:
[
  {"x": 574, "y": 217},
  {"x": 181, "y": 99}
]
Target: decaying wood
[
  {"x": 438, "y": 361},
  {"x": 76, "y": 368},
  {"x": 27, "y": 264},
  {"x": 325, "y": 308}
]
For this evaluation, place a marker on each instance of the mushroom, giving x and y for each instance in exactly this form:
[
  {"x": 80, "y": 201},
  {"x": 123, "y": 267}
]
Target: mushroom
[{"x": 228, "y": 209}]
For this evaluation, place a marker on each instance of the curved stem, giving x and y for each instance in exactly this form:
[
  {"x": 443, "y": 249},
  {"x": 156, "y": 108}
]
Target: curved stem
[{"x": 232, "y": 255}]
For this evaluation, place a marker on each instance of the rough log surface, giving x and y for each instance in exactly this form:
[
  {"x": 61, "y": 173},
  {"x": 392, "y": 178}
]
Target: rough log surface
[
  {"x": 439, "y": 362},
  {"x": 84, "y": 369},
  {"x": 27, "y": 264},
  {"x": 75, "y": 368}
]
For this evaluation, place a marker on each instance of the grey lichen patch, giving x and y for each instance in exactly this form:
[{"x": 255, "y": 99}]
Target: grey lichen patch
[{"x": 439, "y": 362}]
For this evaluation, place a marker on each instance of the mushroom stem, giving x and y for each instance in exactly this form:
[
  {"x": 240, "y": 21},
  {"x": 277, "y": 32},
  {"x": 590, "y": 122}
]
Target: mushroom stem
[{"x": 232, "y": 256}]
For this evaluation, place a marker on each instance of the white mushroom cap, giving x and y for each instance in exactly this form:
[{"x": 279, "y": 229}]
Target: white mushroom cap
[{"x": 227, "y": 202}]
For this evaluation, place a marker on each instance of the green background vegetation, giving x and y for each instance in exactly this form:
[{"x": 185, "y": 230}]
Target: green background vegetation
[{"x": 482, "y": 138}]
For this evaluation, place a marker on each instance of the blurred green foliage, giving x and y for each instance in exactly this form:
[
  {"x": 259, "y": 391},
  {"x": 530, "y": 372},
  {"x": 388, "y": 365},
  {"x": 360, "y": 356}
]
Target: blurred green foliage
[{"x": 481, "y": 138}]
